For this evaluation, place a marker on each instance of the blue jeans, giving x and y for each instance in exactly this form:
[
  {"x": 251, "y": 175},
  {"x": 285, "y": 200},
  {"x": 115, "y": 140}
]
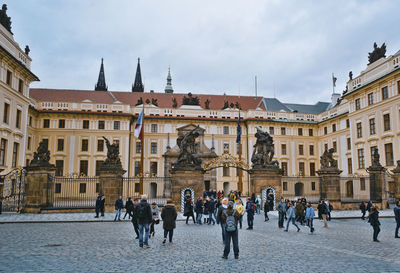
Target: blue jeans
[
  {"x": 146, "y": 227},
  {"x": 223, "y": 232},
  {"x": 281, "y": 219},
  {"x": 250, "y": 219},
  {"x": 198, "y": 218},
  {"x": 293, "y": 222},
  {"x": 235, "y": 238},
  {"x": 210, "y": 218},
  {"x": 170, "y": 232},
  {"x": 118, "y": 214}
]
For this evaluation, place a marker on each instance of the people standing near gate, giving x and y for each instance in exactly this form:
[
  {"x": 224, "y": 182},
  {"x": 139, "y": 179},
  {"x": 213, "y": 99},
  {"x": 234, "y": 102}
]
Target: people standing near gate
[
  {"x": 258, "y": 204},
  {"x": 155, "y": 218},
  {"x": 397, "y": 217},
  {"x": 168, "y": 215},
  {"x": 230, "y": 219},
  {"x": 291, "y": 217},
  {"x": 266, "y": 210},
  {"x": 221, "y": 208},
  {"x": 100, "y": 200},
  {"x": 250, "y": 209},
  {"x": 145, "y": 217},
  {"x": 211, "y": 210},
  {"x": 119, "y": 204},
  {"x": 310, "y": 217},
  {"x": 188, "y": 209},
  {"x": 363, "y": 210},
  {"x": 134, "y": 216},
  {"x": 128, "y": 207},
  {"x": 205, "y": 211},
  {"x": 373, "y": 219},
  {"x": 240, "y": 209},
  {"x": 282, "y": 211},
  {"x": 199, "y": 206}
]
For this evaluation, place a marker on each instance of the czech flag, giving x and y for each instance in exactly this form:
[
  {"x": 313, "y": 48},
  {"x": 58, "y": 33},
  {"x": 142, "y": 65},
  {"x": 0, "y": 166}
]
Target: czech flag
[{"x": 138, "y": 126}]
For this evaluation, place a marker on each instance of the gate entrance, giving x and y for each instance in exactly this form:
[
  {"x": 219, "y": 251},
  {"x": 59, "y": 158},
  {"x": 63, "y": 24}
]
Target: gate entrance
[
  {"x": 13, "y": 196},
  {"x": 269, "y": 194},
  {"x": 186, "y": 192}
]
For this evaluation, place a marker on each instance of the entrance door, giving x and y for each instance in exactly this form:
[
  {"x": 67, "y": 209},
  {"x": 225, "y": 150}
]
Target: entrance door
[
  {"x": 153, "y": 190},
  {"x": 207, "y": 185},
  {"x": 299, "y": 189}
]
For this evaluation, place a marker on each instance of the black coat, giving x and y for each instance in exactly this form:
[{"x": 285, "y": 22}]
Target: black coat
[
  {"x": 129, "y": 205},
  {"x": 199, "y": 206},
  {"x": 100, "y": 202},
  {"x": 211, "y": 206},
  {"x": 119, "y": 204},
  {"x": 134, "y": 213},
  {"x": 168, "y": 215},
  {"x": 362, "y": 207},
  {"x": 374, "y": 218},
  {"x": 219, "y": 214},
  {"x": 188, "y": 209},
  {"x": 148, "y": 214}
]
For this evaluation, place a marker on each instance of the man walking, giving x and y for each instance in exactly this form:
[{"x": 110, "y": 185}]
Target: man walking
[
  {"x": 310, "y": 217},
  {"x": 230, "y": 219},
  {"x": 100, "y": 205},
  {"x": 119, "y": 204},
  {"x": 134, "y": 215},
  {"x": 363, "y": 210},
  {"x": 144, "y": 219},
  {"x": 324, "y": 213},
  {"x": 128, "y": 207},
  {"x": 211, "y": 209},
  {"x": 281, "y": 211},
  {"x": 291, "y": 216},
  {"x": 199, "y": 206},
  {"x": 373, "y": 219},
  {"x": 250, "y": 209},
  {"x": 397, "y": 217},
  {"x": 221, "y": 208}
]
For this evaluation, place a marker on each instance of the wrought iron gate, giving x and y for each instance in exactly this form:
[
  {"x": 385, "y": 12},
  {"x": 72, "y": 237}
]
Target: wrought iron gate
[{"x": 13, "y": 196}]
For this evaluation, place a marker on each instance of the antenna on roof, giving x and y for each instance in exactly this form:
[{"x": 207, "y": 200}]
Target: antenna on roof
[{"x": 255, "y": 84}]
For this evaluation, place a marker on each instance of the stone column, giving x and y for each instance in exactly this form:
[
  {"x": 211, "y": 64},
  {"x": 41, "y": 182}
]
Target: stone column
[
  {"x": 377, "y": 185},
  {"x": 329, "y": 186},
  {"x": 111, "y": 185},
  {"x": 262, "y": 178},
  {"x": 39, "y": 188},
  {"x": 396, "y": 178},
  {"x": 182, "y": 178}
]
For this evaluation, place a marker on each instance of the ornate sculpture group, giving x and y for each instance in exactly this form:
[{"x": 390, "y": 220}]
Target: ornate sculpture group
[
  {"x": 188, "y": 149},
  {"x": 190, "y": 100},
  {"x": 41, "y": 158},
  {"x": 112, "y": 162},
  {"x": 327, "y": 160},
  {"x": 263, "y": 152},
  {"x": 4, "y": 19},
  {"x": 377, "y": 53}
]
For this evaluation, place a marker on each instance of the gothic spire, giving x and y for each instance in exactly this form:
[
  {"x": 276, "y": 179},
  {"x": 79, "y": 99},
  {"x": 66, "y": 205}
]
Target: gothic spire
[
  {"x": 168, "y": 87},
  {"x": 101, "y": 82},
  {"x": 138, "y": 85}
]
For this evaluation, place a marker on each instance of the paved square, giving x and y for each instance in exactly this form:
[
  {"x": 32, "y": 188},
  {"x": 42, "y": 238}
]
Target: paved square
[{"x": 346, "y": 246}]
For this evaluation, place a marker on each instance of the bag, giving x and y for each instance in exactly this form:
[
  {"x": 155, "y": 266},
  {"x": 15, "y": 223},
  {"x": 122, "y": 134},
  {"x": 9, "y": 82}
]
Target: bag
[
  {"x": 142, "y": 211},
  {"x": 230, "y": 225}
]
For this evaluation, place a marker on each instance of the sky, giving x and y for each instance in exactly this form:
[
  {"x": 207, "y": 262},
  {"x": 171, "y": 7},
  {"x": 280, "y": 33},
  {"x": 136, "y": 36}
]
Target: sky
[{"x": 212, "y": 47}]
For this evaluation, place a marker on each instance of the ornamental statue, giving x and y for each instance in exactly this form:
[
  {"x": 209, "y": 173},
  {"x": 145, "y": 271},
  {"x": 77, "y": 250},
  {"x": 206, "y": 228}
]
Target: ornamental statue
[
  {"x": 41, "y": 158},
  {"x": 112, "y": 162},
  {"x": 174, "y": 103},
  {"x": 154, "y": 102},
  {"x": 139, "y": 101},
  {"x": 190, "y": 100},
  {"x": 263, "y": 152},
  {"x": 397, "y": 169},
  {"x": 207, "y": 104},
  {"x": 327, "y": 160},
  {"x": 377, "y": 53},
  {"x": 4, "y": 19},
  {"x": 375, "y": 158},
  {"x": 188, "y": 149}
]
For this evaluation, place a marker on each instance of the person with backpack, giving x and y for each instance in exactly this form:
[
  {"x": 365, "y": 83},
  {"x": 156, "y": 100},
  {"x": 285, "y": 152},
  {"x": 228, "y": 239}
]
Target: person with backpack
[
  {"x": 373, "y": 219},
  {"x": 128, "y": 207},
  {"x": 250, "y": 209},
  {"x": 282, "y": 211},
  {"x": 266, "y": 210},
  {"x": 134, "y": 215},
  {"x": 221, "y": 208},
  {"x": 310, "y": 217},
  {"x": 119, "y": 204},
  {"x": 324, "y": 213},
  {"x": 230, "y": 219},
  {"x": 291, "y": 216},
  {"x": 145, "y": 217},
  {"x": 168, "y": 215}
]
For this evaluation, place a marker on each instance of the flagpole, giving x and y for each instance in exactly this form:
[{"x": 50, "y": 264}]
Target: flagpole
[
  {"x": 142, "y": 155},
  {"x": 240, "y": 182}
]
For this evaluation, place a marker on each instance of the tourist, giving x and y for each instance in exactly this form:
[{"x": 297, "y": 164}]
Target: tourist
[
  {"x": 134, "y": 215},
  {"x": 291, "y": 216},
  {"x": 230, "y": 219},
  {"x": 205, "y": 211},
  {"x": 155, "y": 218},
  {"x": 240, "y": 209},
  {"x": 319, "y": 208},
  {"x": 128, "y": 207},
  {"x": 324, "y": 213},
  {"x": 310, "y": 217},
  {"x": 199, "y": 210},
  {"x": 145, "y": 217},
  {"x": 369, "y": 205},
  {"x": 221, "y": 208},
  {"x": 188, "y": 209},
  {"x": 266, "y": 210},
  {"x": 282, "y": 211},
  {"x": 299, "y": 210},
  {"x": 258, "y": 204},
  {"x": 211, "y": 211},
  {"x": 100, "y": 200},
  {"x": 363, "y": 210},
  {"x": 119, "y": 204},
  {"x": 250, "y": 209},
  {"x": 330, "y": 208},
  {"x": 168, "y": 215},
  {"x": 373, "y": 219},
  {"x": 397, "y": 217}
]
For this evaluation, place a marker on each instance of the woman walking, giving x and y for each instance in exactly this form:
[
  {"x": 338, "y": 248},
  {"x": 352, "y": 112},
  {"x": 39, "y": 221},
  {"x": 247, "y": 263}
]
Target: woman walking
[
  {"x": 374, "y": 221},
  {"x": 291, "y": 216},
  {"x": 266, "y": 210},
  {"x": 168, "y": 215},
  {"x": 188, "y": 209}
]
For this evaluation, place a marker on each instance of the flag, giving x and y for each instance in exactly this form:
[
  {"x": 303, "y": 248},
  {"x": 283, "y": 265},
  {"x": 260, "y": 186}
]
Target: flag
[
  {"x": 139, "y": 125},
  {"x": 334, "y": 79},
  {"x": 238, "y": 131}
]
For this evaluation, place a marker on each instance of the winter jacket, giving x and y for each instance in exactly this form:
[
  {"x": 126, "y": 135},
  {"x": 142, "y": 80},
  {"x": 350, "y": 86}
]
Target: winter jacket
[
  {"x": 374, "y": 218},
  {"x": 155, "y": 213},
  {"x": 323, "y": 208},
  {"x": 397, "y": 213},
  {"x": 134, "y": 213},
  {"x": 211, "y": 206},
  {"x": 129, "y": 205},
  {"x": 290, "y": 213},
  {"x": 266, "y": 206},
  {"x": 240, "y": 209},
  {"x": 310, "y": 213},
  {"x": 282, "y": 207},
  {"x": 188, "y": 209},
  {"x": 205, "y": 210},
  {"x": 219, "y": 213},
  {"x": 369, "y": 205},
  {"x": 100, "y": 202},
  {"x": 199, "y": 206},
  {"x": 148, "y": 217},
  {"x": 119, "y": 204},
  {"x": 362, "y": 207},
  {"x": 230, "y": 212},
  {"x": 250, "y": 208},
  {"x": 168, "y": 215},
  {"x": 299, "y": 209}
]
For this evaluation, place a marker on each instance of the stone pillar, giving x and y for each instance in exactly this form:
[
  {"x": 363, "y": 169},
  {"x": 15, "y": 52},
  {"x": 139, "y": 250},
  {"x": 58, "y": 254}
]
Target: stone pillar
[
  {"x": 39, "y": 188},
  {"x": 396, "y": 178},
  {"x": 329, "y": 186},
  {"x": 111, "y": 185},
  {"x": 377, "y": 186},
  {"x": 262, "y": 178},
  {"x": 186, "y": 178}
]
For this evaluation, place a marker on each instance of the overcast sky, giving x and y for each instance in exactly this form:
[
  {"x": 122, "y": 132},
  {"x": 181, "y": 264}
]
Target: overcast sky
[{"x": 212, "y": 46}]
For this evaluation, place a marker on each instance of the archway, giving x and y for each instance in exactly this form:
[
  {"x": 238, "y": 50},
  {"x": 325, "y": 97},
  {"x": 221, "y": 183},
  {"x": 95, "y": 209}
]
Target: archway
[
  {"x": 153, "y": 190},
  {"x": 298, "y": 189},
  {"x": 269, "y": 194},
  {"x": 184, "y": 192},
  {"x": 349, "y": 189},
  {"x": 226, "y": 188}
]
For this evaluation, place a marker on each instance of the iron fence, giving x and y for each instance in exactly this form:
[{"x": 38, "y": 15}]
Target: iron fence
[{"x": 12, "y": 198}]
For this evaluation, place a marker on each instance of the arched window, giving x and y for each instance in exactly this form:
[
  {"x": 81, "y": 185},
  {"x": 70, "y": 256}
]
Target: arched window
[{"x": 299, "y": 189}]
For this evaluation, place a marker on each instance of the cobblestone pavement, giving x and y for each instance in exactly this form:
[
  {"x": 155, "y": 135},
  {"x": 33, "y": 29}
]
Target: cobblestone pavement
[{"x": 346, "y": 246}]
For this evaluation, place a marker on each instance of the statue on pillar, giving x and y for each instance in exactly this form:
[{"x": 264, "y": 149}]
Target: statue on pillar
[
  {"x": 112, "y": 162},
  {"x": 397, "y": 169},
  {"x": 327, "y": 160},
  {"x": 41, "y": 158},
  {"x": 376, "y": 165},
  {"x": 263, "y": 151},
  {"x": 188, "y": 149}
]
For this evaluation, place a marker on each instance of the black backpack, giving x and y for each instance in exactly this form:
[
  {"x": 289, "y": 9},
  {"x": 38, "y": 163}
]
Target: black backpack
[
  {"x": 230, "y": 225},
  {"x": 142, "y": 211}
]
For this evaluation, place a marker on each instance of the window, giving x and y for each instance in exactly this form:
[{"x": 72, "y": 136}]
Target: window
[
  {"x": 226, "y": 147},
  {"x": 271, "y": 130},
  {"x": 59, "y": 167},
  {"x": 58, "y": 188},
  {"x": 283, "y": 131},
  {"x": 300, "y": 131},
  {"x": 333, "y": 127},
  {"x": 3, "y": 149},
  {"x": 153, "y": 168},
  {"x": 30, "y": 121},
  {"x": 137, "y": 168},
  {"x": 98, "y": 166},
  {"x": 226, "y": 130},
  {"x": 389, "y": 154},
  {"x": 225, "y": 171},
  {"x": 283, "y": 147},
  {"x": 312, "y": 169},
  {"x": 359, "y": 130},
  {"x": 350, "y": 166},
  {"x": 386, "y": 122},
  {"x": 370, "y": 98},
  {"x": 85, "y": 145},
  {"x": 60, "y": 144},
  {"x": 20, "y": 86},
  {"x": 61, "y": 123},
  {"x": 46, "y": 123},
  {"x": 398, "y": 87},
  {"x": 301, "y": 169},
  {"x": 8, "y": 78},
  {"x": 311, "y": 149},
  {"x": 15, "y": 155},
  {"x": 385, "y": 93},
  {"x": 334, "y": 144},
  {"x": 372, "y": 130},
  {"x": 301, "y": 149},
  {"x": 100, "y": 145},
  {"x": 46, "y": 141},
  {"x": 83, "y": 167},
  {"x": 362, "y": 183},
  {"x": 361, "y": 163},
  {"x": 6, "y": 113},
  {"x": 284, "y": 186},
  {"x": 85, "y": 124},
  {"x": 325, "y": 130},
  {"x": 116, "y": 124},
  {"x": 29, "y": 143},
  {"x": 138, "y": 147},
  {"x": 349, "y": 189},
  {"x": 347, "y": 123},
  {"x": 101, "y": 125},
  {"x": 18, "y": 119},
  {"x": 137, "y": 187},
  {"x": 310, "y": 132},
  {"x": 313, "y": 186},
  {"x": 154, "y": 147},
  {"x": 154, "y": 128},
  {"x": 284, "y": 168},
  {"x": 372, "y": 150},
  {"x": 348, "y": 143},
  {"x": 358, "y": 104},
  {"x": 82, "y": 187}
]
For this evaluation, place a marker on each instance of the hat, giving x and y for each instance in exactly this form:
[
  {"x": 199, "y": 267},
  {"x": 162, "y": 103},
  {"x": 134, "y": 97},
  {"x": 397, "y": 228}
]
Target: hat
[{"x": 154, "y": 203}]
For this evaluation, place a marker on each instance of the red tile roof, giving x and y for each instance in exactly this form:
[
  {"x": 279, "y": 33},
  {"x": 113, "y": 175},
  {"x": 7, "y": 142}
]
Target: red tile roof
[{"x": 164, "y": 100}]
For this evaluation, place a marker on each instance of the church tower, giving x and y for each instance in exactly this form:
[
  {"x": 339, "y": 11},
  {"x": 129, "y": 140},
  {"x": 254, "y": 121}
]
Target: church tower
[
  {"x": 138, "y": 85},
  {"x": 101, "y": 82},
  {"x": 168, "y": 87}
]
